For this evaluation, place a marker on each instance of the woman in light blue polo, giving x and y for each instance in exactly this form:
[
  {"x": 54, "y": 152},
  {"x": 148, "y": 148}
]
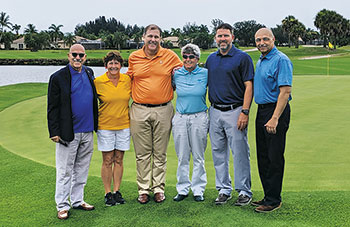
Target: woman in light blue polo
[{"x": 190, "y": 124}]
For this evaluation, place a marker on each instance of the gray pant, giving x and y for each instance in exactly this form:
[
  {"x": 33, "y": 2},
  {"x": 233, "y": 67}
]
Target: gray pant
[
  {"x": 72, "y": 168},
  {"x": 190, "y": 136},
  {"x": 224, "y": 135}
]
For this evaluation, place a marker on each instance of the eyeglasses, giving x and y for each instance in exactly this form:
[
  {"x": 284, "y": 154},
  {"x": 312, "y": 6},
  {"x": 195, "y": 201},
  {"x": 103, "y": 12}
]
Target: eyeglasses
[
  {"x": 191, "y": 56},
  {"x": 81, "y": 55},
  {"x": 264, "y": 39}
]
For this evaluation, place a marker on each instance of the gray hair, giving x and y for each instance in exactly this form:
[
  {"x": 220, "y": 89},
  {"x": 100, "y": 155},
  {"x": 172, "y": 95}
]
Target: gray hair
[{"x": 191, "y": 49}]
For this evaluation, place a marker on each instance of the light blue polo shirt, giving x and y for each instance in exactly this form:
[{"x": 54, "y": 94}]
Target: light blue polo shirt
[
  {"x": 271, "y": 72},
  {"x": 191, "y": 90}
]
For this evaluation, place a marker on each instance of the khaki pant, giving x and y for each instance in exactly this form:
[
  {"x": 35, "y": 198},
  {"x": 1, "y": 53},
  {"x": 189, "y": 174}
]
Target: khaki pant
[{"x": 150, "y": 129}]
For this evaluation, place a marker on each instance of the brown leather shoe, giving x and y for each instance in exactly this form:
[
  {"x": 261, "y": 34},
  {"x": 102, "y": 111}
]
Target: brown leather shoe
[
  {"x": 63, "y": 214},
  {"x": 85, "y": 206},
  {"x": 159, "y": 197},
  {"x": 267, "y": 209},
  {"x": 143, "y": 198}
]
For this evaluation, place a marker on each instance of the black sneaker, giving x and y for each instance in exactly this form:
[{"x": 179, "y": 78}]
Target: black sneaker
[
  {"x": 243, "y": 200},
  {"x": 118, "y": 198},
  {"x": 109, "y": 199},
  {"x": 179, "y": 197},
  {"x": 198, "y": 198},
  {"x": 258, "y": 203},
  {"x": 222, "y": 199}
]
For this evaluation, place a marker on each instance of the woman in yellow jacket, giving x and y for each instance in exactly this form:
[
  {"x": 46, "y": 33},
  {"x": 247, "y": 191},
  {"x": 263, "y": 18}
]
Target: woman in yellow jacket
[{"x": 113, "y": 134}]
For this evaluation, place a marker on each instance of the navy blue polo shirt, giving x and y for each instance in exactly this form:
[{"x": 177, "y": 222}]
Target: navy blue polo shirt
[
  {"x": 227, "y": 74},
  {"x": 82, "y": 101}
]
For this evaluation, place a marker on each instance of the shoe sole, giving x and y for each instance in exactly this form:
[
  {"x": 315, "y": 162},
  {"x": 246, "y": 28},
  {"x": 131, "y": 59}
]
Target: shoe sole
[
  {"x": 221, "y": 203},
  {"x": 268, "y": 211},
  {"x": 243, "y": 204},
  {"x": 109, "y": 205}
]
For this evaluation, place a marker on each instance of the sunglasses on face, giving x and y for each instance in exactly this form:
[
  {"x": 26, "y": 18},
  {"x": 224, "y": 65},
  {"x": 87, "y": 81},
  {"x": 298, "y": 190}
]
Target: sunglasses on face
[
  {"x": 191, "y": 56},
  {"x": 264, "y": 39},
  {"x": 81, "y": 55}
]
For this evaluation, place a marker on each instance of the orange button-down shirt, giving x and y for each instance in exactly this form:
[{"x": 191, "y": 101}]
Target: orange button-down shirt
[{"x": 151, "y": 77}]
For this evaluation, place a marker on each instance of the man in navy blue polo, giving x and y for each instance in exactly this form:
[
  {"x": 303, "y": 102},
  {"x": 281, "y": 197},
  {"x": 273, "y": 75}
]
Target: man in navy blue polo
[
  {"x": 230, "y": 82},
  {"x": 272, "y": 91}
]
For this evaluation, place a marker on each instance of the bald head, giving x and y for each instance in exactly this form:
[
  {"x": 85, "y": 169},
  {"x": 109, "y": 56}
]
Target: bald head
[
  {"x": 265, "y": 31},
  {"x": 77, "y": 47},
  {"x": 264, "y": 40}
]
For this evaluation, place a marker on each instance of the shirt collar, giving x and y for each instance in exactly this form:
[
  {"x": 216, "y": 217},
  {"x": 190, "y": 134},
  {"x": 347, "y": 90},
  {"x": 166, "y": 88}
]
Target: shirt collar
[
  {"x": 230, "y": 52},
  {"x": 195, "y": 71},
  {"x": 158, "y": 54},
  {"x": 270, "y": 54},
  {"x": 74, "y": 72},
  {"x": 106, "y": 79}
]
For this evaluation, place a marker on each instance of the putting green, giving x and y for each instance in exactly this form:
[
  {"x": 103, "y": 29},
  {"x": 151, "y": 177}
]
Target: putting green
[{"x": 317, "y": 146}]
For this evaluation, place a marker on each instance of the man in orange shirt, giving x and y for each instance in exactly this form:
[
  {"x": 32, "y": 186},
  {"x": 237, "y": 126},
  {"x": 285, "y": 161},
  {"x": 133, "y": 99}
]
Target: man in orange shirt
[{"x": 150, "y": 69}]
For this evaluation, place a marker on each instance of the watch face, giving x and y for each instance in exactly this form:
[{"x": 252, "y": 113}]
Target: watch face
[{"x": 246, "y": 112}]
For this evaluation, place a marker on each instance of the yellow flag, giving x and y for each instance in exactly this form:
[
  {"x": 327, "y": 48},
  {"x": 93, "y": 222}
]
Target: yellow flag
[{"x": 330, "y": 45}]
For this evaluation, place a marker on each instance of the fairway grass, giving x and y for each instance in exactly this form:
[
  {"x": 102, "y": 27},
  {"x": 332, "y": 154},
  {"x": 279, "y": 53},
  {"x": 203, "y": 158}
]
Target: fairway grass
[{"x": 316, "y": 188}]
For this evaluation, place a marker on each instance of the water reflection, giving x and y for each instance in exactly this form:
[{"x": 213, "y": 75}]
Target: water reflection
[{"x": 15, "y": 74}]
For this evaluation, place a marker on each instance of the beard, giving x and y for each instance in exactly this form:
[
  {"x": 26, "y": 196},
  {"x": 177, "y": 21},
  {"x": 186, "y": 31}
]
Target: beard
[{"x": 225, "y": 48}]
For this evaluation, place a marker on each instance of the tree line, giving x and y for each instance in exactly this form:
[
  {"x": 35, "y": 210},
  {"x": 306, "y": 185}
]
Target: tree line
[{"x": 332, "y": 27}]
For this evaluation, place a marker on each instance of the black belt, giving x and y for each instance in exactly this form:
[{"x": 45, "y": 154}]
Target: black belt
[
  {"x": 152, "y": 105},
  {"x": 267, "y": 105},
  {"x": 227, "y": 107}
]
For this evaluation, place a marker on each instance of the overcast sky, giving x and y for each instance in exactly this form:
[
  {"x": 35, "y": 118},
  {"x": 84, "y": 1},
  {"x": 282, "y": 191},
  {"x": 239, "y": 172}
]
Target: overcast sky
[{"x": 166, "y": 14}]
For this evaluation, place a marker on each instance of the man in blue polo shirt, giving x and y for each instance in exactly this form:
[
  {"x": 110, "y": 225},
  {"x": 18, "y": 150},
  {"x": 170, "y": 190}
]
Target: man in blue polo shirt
[
  {"x": 230, "y": 75},
  {"x": 72, "y": 118},
  {"x": 272, "y": 91}
]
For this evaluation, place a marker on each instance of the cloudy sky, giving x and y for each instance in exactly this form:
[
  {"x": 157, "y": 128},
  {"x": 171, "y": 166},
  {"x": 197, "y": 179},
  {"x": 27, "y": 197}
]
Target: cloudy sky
[{"x": 167, "y": 14}]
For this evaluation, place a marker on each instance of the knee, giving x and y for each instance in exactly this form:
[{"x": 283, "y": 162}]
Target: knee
[
  {"x": 107, "y": 163},
  {"x": 118, "y": 161}
]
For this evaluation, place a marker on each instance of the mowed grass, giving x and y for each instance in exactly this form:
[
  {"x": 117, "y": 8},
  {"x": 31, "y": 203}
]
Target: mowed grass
[
  {"x": 316, "y": 185},
  {"x": 335, "y": 65}
]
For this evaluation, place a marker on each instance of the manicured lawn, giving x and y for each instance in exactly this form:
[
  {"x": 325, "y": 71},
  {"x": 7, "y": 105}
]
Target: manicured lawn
[
  {"x": 316, "y": 186},
  {"x": 334, "y": 66}
]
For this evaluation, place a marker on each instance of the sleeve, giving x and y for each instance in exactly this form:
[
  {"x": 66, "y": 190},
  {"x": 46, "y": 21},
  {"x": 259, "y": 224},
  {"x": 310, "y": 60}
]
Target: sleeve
[
  {"x": 130, "y": 71},
  {"x": 53, "y": 102},
  {"x": 247, "y": 68},
  {"x": 285, "y": 73}
]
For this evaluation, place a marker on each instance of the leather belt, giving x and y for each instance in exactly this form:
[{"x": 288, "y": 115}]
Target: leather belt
[
  {"x": 227, "y": 107},
  {"x": 152, "y": 105},
  {"x": 267, "y": 105}
]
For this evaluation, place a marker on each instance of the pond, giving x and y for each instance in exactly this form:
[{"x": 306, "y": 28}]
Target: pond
[{"x": 15, "y": 74}]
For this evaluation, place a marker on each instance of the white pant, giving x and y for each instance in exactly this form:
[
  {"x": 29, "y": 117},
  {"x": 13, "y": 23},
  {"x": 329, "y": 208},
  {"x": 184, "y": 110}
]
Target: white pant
[
  {"x": 72, "y": 168},
  {"x": 190, "y": 136}
]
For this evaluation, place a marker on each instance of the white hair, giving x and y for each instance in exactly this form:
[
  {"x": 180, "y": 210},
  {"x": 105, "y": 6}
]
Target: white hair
[{"x": 192, "y": 48}]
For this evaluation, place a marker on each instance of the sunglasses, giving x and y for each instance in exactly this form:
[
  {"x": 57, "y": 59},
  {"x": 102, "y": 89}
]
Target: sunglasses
[
  {"x": 264, "y": 39},
  {"x": 81, "y": 55},
  {"x": 191, "y": 56}
]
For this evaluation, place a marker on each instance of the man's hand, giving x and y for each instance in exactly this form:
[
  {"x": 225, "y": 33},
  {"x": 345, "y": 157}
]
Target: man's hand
[
  {"x": 55, "y": 139},
  {"x": 174, "y": 69},
  {"x": 271, "y": 125},
  {"x": 242, "y": 122}
]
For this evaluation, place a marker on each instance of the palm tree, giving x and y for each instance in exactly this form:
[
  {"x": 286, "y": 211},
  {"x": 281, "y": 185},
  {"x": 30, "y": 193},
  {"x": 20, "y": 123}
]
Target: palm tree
[
  {"x": 69, "y": 39},
  {"x": 16, "y": 28},
  {"x": 294, "y": 29},
  {"x": 56, "y": 32},
  {"x": 30, "y": 29},
  {"x": 330, "y": 24},
  {"x": 4, "y": 23}
]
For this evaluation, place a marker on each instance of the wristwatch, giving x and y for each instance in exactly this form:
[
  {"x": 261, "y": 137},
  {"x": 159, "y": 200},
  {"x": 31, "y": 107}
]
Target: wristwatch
[{"x": 245, "y": 111}]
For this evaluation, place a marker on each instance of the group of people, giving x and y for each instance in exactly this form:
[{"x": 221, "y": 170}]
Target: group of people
[{"x": 79, "y": 104}]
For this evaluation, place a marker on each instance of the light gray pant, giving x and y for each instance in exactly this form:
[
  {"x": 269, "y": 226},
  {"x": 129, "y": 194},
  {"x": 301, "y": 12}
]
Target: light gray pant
[
  {"x": 190, "y": 136},
  {"x": 224, "y": 135},
  {"x": 72, "y": 168}
]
